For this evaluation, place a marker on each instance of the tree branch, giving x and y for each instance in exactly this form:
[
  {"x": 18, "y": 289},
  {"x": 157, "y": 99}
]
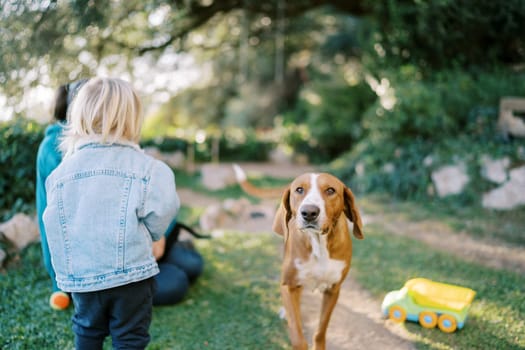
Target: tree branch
[{"x": 199, "y": 15}]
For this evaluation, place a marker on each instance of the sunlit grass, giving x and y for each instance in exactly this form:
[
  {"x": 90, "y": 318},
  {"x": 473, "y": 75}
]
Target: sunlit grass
[
  {"x": 384, "y": 262},
  {"x": 234, "y": 305}
]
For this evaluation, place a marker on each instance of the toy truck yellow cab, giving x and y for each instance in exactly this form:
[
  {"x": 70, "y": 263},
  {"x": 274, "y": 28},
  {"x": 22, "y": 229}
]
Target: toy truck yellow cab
[{"x": 429, "y": 303}]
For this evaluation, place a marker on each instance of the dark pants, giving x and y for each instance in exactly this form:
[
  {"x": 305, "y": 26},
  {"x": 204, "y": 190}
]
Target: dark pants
[
  {"x": 123, "y": 312},
  {"x": 178, "y": 269}
]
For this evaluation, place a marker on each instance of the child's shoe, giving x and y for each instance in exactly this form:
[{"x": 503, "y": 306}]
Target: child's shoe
[{"x": 59, "y": 300}]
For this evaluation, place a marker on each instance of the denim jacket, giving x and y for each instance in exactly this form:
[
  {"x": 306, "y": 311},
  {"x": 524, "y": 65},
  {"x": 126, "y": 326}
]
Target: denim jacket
[{"x": 105, "y": 206}]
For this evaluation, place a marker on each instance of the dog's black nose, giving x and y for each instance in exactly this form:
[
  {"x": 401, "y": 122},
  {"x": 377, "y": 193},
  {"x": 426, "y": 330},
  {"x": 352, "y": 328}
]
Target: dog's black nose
[{"x": 309, "y": 212}]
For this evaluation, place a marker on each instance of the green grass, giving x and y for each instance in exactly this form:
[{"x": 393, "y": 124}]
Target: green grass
[
  {"x": 226, "y": 308},
  {"x": 383, "y": 262},
  {"x": 229, "y": 308},
  {"x": 27, "y": 320},
  {"x": 504, "y": 226}
]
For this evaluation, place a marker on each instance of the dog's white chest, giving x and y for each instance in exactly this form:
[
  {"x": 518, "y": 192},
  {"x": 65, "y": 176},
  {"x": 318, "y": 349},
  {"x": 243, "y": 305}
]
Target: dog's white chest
[{"x": 319, "y": 271}]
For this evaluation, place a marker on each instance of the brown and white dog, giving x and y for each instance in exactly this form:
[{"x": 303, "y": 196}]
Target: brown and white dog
[{"x": 313, "y": 220}]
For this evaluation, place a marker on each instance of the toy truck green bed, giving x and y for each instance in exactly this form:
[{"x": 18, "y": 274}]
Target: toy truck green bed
[{"x": 429, "y": 303}]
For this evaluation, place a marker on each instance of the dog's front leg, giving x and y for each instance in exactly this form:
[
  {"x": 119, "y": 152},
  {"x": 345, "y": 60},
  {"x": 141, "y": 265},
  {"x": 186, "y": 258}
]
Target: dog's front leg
[
  {"x": 330, "y": 297},
  {"x": 291, "y": 298}
]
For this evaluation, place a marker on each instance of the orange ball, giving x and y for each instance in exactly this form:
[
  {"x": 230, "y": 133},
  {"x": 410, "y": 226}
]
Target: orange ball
[{"x": 59, "y": 301}]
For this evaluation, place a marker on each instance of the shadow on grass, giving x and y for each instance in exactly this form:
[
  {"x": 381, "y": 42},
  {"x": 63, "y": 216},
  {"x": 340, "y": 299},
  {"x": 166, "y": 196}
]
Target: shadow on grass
[{"x": 234, "y": 305}]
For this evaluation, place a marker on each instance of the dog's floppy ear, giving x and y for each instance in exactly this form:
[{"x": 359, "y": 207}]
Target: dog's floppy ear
[
  {"x": 283, "y": 214},
  {"x": 352, "y": 213}
]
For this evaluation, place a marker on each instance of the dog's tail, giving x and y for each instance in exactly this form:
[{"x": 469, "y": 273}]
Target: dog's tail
[
  {"x": 252, "y": 190},
  {"x": 192, "y": 231},
  {"x": 173, "y": 237}
]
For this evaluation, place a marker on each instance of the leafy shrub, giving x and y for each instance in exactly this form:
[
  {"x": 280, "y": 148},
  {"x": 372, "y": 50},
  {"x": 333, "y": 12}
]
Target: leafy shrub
[
  {"x": 166, "y": 144},
  {"x": 335, "y": 122},
  {"x": 449, "y": 119},
  {"x": 446, "y": 33},
  {"x": 244, "y": 145},
  {"x": 234, "y": 145},
  {"x": 327, "y": 119},
  {"x": 297, "y": 139},
  {"x": 418, "y": 113},
  {"x": 384, "y": 166},
  {"x": 19, "y": 141}
]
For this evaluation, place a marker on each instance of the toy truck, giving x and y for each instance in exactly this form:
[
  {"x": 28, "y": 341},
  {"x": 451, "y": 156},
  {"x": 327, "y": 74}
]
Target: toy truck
[{"x": 429, "y": 303}]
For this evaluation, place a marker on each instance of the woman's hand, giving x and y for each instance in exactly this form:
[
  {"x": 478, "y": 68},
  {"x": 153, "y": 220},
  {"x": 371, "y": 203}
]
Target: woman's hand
[{"x": 159, "y": 247}]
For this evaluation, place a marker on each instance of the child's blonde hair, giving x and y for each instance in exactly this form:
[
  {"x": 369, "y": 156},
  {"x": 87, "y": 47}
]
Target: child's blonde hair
[{"x": 106, "y": 110}]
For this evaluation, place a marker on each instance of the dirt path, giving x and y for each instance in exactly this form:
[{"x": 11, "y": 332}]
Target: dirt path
[{"x": 357, "y": 322}]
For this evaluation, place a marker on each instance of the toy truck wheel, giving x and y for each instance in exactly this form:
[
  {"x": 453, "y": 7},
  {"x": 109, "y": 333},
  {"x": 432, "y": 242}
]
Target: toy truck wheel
[
  {"x": 447, "y": 323},
  {"x": 397, "y": 313},
  {"x": 428, "y": 319}
]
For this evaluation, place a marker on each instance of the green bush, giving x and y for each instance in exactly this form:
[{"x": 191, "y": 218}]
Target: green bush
[
  {"x": 19, "y": 142},
  {"x": 448, "y": 119},
  {"x": 327, "y": 119},
  {"x": 166, "y": 144},
  {"x": 419, "y": 112},
  {"x": 297, "y": 139},
  {"x": 448, "y": 104},
  {"x": 244, "y": 145},
  {"x": 385, "y": 166},
  {"x": 443, "y": 34},
  {"x": 335, "y": 122},
  {"x": 234, "y": 145}
]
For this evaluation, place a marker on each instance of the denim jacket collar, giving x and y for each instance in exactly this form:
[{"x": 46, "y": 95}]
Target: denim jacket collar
[{"x": 95, "y": 142}]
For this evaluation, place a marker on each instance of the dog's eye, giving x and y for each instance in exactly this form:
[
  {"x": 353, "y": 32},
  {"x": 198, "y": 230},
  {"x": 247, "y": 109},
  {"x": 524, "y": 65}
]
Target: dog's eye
[
  {"x": 299, "y": 190},
  {"x": 330, "y": 191}
]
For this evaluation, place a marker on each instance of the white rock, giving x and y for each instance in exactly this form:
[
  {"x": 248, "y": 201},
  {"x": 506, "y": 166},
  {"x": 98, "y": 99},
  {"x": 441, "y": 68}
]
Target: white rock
[
  {"x": 360, "y": 169},
  {"x": 3, "y": 255},
  {"x": 153, "y": 151},
  {"x": 20, "y": 230},
  {"x": 216, "y": 176},
  {"x": 280, "y": 156},
  {"x": 509, "y": 195},
  {"x": 388, "y": 168},
  {"x": 450, "y": 179},
  {"x": 495, "y": 170},
  {"x": 428, "y": 161},
  {"x": 176, "y": 159}
]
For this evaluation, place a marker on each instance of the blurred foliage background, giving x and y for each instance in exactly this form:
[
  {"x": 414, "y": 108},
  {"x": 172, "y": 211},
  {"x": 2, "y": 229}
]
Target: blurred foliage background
[{"x": 370, "y": 88}]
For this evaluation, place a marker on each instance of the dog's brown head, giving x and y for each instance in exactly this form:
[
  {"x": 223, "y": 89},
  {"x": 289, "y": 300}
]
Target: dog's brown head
[{"x": 316, "y": 202}]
